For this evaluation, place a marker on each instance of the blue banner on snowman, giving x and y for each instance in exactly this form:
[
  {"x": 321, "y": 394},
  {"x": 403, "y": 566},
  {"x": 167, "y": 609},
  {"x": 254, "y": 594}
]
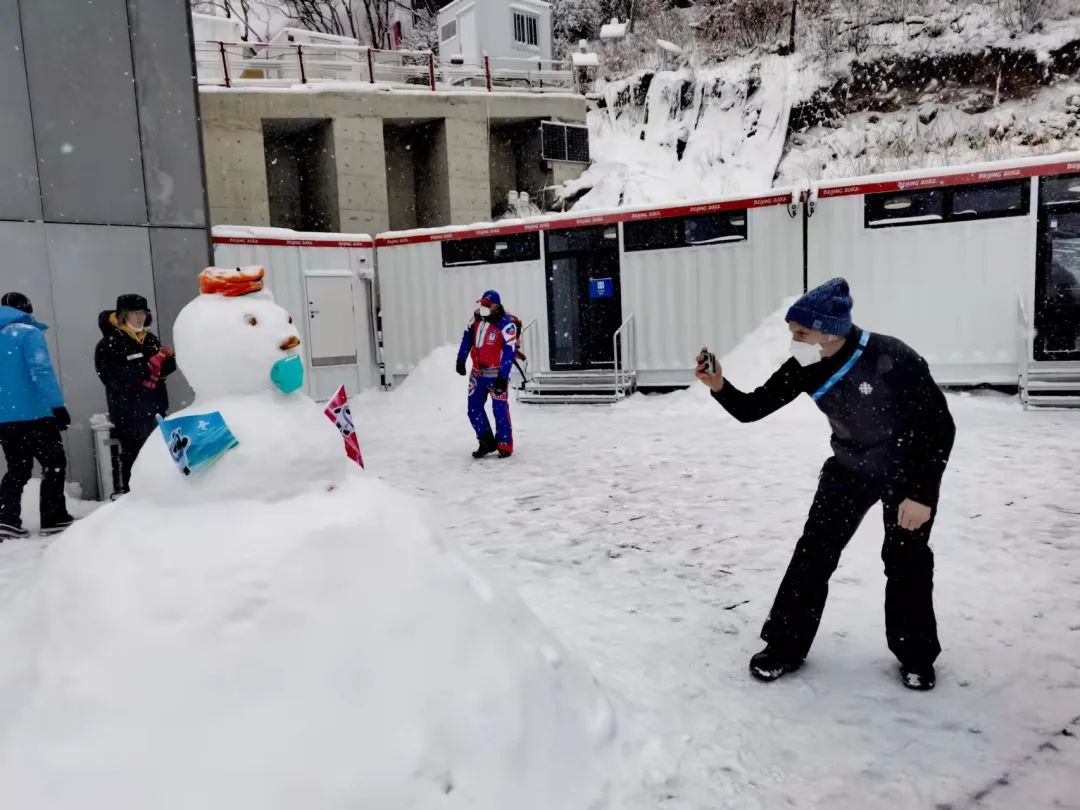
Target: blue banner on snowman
[{"x": 197, "y": 441}]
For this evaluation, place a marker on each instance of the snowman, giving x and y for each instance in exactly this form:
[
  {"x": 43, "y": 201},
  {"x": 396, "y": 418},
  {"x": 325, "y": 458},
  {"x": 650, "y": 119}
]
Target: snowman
[
  {"x": 241, "y": 356},
  {"x": 280, "y": 630}
]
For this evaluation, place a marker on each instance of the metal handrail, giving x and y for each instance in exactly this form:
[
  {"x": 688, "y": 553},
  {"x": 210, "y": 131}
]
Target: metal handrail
[
  {"x": 282, "y": 64},
  {"x": 525, "y": 330},
  {"x": 621, "y": 374},
  {"x": 1024, "y": 350}
]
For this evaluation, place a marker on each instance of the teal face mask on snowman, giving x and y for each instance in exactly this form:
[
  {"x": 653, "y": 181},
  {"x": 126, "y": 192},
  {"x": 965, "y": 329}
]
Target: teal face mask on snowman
[{"x": 287, "y": 374}]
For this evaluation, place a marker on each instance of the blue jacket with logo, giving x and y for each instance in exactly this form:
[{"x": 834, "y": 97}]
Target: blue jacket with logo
[{"x": 28, "y": 386}]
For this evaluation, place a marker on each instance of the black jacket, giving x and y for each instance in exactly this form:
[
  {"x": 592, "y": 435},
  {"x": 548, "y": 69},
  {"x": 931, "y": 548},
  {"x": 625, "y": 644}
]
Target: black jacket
[
  {"x": 889, "y": 419},
  {"x": 122, "y": 363}
]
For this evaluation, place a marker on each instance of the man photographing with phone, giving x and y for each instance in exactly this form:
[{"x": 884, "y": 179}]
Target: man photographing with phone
[{"x": 892, "y": 436}]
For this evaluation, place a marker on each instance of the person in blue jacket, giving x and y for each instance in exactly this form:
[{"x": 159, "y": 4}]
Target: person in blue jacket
[
  {"x": 491, "y": 340},
  {"x": 32, "y": 414}
]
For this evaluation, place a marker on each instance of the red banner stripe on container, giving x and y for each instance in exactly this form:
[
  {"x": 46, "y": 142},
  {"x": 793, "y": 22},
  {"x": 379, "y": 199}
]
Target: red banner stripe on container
[
  {"x": 585, "y": 221},
  {"x": 940, "y": 181},
  {"x": 258, "y": 240}
]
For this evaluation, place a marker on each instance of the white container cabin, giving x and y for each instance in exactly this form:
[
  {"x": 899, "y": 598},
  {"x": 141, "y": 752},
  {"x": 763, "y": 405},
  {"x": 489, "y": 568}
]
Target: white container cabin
[
  {"x": 664, "y": 280},
  {"x": 977, "y": 268}
]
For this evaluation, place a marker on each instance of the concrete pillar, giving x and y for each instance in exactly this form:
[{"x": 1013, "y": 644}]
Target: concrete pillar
[
  {"x": 236, "y": 172},
  {"x": 360, "y": 158},
  {"x": 468, "y": 170}
]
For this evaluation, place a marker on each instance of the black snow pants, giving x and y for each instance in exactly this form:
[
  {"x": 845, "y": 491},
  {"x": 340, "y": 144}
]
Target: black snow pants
[
  {"x": 842, "y": 501},
  {"x": 23, "y": 442},
  {"x": 132, "y": 437}
]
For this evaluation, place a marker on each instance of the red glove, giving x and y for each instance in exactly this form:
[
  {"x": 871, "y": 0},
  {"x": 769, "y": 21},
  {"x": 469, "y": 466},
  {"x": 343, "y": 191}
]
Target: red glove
[{"x": 155, "y": 363}]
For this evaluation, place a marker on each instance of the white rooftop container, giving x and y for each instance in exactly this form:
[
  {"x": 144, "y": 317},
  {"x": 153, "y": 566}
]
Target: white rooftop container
[
  {"x": 518, "y": 30},
  {"x": 208, "y": 28}
]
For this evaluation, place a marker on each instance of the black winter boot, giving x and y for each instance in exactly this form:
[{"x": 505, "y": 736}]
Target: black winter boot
[
  {"x": 921, "y": 679},
  {"x": 56, "y": 526},
  {"x": 770, "y": 664},
  {"x": 10, "y": 529},
  {"x": 488, "y": 445}
]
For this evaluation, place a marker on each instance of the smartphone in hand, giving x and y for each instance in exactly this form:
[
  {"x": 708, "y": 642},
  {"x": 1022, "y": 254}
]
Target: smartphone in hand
[{"x": 708, "y": 362}]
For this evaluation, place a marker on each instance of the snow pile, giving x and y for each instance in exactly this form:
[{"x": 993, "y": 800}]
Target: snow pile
[
  {"x": 936, "y": 135},
  {"x": 761, "y": 352},
  {"x": 868, "y": 90},
  {"x": 688, "y": 135},
  {"x": 280, "y": 631}
]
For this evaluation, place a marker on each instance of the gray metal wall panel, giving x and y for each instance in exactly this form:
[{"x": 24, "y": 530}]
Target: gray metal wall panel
[
  {"x": 168, "y": 112},
  {"x": 20, "y": 195},
  {"x": 78, "y": 59},
  {"x": 90, "y": 267},
  {"x": 24, "y": 266},
  {"x": 180, "y": 254}
]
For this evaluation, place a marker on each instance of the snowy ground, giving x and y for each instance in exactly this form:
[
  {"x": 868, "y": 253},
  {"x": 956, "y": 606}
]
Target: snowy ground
[{"x": 651, "y": 537}]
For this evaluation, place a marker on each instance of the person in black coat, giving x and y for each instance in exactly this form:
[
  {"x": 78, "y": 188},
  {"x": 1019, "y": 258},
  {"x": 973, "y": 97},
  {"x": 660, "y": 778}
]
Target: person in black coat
[
  {"x": 892, "y": 435},
  {"x": 133, "y": 365}
]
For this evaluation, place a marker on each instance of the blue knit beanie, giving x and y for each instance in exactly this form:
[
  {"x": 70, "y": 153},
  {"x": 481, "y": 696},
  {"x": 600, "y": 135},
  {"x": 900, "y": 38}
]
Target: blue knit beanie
[
  {"x": 826, "y": 308},
  {"x": 492, "y": 297}
]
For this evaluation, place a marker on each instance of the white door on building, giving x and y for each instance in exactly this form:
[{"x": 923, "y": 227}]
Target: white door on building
[{"x": 331, "y": 331}]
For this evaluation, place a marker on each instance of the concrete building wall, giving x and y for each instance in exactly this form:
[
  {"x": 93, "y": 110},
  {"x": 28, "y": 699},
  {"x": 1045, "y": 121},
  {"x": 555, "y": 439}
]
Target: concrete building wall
[
  {"x": 101, "y": 189},
  {"x": 468, "y": 170},
  {"x": 452, "y": 165},
  {"x": 235, "y": 171},
  {"x": 361, "y": 174}
]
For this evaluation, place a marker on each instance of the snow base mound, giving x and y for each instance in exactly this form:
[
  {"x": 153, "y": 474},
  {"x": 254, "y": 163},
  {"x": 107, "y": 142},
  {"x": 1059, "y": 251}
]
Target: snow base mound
[{"x": 322, "y": 651}]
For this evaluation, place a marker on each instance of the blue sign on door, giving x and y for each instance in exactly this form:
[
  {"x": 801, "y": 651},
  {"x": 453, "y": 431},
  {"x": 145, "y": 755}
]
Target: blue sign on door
[{"x": 601, "y": 288}]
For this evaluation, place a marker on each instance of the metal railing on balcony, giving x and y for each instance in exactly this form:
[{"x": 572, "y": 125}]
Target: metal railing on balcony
[{"x": 254, "y": 64}]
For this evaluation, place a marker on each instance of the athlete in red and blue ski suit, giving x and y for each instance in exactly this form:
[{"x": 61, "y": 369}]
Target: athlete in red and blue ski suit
[{"x": 491, "y": 340}]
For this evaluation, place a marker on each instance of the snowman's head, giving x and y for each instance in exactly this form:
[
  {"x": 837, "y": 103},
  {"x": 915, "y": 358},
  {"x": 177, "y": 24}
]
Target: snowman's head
[{"x": 232, "y": 345}]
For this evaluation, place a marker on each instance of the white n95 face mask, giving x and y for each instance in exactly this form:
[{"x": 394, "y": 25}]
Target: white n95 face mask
[
  {"x": 806, "y": 353},
  {"x": 485, "y": 311}
]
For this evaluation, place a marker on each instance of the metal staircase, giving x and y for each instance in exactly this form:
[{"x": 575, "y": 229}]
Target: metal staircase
[
  {"x": 590, "y": 387},
  {"x": 578, "y": 387},
  {"x": 1044, "y": 383},
  {"x": 1050, "y": 385}
]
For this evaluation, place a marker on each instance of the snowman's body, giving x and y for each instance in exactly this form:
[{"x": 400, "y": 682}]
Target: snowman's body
[{"x": 279, "y": 631}]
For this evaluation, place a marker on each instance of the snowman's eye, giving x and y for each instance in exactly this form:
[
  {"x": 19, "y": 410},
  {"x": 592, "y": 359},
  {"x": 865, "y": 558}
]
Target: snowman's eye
[
  {"x": 290, "y": 319},
  {"x": 251, "y": 320}
]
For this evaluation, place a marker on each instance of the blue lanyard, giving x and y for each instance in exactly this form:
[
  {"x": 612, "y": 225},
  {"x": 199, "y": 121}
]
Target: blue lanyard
[{"x": 844, "y": 369}]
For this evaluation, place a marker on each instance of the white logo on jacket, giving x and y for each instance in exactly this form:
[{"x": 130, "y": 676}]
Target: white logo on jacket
[{"x": 866, "y": 389}]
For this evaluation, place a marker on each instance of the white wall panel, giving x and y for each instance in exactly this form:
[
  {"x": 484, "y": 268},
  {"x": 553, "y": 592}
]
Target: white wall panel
[
  {"x": 949, "y": 290},
  {"x": 710, "y": 295},
  {"x": 425, "y": 305}
]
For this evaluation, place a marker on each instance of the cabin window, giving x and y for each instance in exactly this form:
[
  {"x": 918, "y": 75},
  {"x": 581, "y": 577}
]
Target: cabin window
[
  {"x": 520, "y": 247},
  {"x": 1064, "y": 188},
  {"x": 676, "y": 232},
  {"x": 714, "y": 228},
  {"x": 449, "y": 31},
  {"x": 656, "y": 234},
  {"x": 890, "y": 209},
  {"x": 526, "y": 29},
  {"x": 991, "y": 200}
]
